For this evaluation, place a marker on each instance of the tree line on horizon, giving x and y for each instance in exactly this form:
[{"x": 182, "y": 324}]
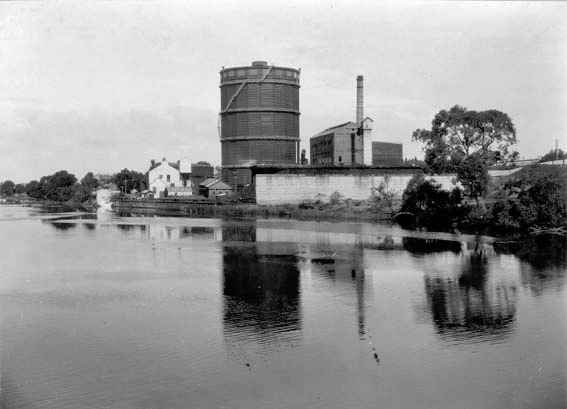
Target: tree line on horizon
[{"x": 63, "y": 186}]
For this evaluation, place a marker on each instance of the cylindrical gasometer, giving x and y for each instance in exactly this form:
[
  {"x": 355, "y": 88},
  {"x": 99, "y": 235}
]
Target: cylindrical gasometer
[{"x": 259, "y": 115}]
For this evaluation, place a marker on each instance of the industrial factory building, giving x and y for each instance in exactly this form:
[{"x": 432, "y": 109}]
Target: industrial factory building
[
  {"x": 341, "y": 145},
  {"x": 347, "y": 144},
  {"x": 387, "y": 154},
  {"x": 259, "y": 119}
]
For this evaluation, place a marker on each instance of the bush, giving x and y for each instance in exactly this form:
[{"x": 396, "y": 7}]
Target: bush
[
  {"x": 335, "y": 199},
  {"x": 433, "y": 207},
  {"x": 33, "y": 189},
  {"x": 7, "y": 188},
  {"x": 536, "y": 197},
  {"x": 81, "y": 193},
  {"x": 382, "y": 200}
]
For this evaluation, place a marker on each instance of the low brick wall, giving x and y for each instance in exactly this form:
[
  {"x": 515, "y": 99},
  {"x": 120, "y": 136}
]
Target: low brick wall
[{"x": 295, "y": 188}]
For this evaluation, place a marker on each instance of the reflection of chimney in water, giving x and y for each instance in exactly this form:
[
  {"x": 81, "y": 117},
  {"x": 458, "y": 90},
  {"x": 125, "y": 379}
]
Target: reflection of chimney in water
[
  {"x": 360, "y": 302},
  {"x": 359, "y": 99}
]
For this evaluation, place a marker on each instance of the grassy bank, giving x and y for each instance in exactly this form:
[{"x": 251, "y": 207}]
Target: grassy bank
[{"x": 336, "y": 210}]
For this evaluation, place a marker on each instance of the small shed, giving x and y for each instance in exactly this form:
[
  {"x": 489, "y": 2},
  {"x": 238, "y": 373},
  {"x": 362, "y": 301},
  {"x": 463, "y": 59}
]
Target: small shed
[{"x": 214, "y": 187}]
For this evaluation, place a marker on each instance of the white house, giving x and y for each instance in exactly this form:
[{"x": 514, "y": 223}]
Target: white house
[{"x": 164, "y": 179}]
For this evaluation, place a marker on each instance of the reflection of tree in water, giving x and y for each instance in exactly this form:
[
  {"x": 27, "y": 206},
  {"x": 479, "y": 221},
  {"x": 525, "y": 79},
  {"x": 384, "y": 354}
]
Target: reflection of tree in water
[
  {"x": 261, "y": 293},
  {"x": 544, "y": 257},
  {"x": 90, "y": 226},
  {"x": 63, "y": 226},
  {"x": 471, "y": 306},
  {"x": 126, "y": 227},
  {"x": 418, "y": 245},
  {"x": 189, "y": 231}
]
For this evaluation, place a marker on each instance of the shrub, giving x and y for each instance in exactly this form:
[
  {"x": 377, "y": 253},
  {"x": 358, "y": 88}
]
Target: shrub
[
  {"x": 335, "y": 199},
  {"x": 381, "y": 199},
  {"x": 536, "y": 197},
  {"x": 7, "y": 188},
  {"x": 432, "y": 206}
]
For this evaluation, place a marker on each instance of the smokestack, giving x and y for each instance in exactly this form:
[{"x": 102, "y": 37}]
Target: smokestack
[{"x": 359, "y": 99}]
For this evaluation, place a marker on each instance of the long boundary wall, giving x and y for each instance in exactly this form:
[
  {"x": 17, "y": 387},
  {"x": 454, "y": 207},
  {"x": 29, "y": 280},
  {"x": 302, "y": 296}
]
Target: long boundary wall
[{"x": 296, "y": 188}]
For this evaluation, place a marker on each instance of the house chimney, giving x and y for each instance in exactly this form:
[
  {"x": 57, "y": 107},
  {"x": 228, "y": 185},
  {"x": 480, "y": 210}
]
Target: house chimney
[{"x": 359, "y": 99}]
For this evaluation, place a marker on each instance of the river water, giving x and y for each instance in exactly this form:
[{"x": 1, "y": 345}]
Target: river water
[{"x": 124, "y": 312}]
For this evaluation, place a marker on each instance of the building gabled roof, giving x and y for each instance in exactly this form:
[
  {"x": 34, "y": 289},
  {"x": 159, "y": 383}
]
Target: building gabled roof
[
  {"x": 350, "y": 124},
  {"x": 157, "y": 164},
  {"x": 215, "y": 183},
  {"x": 339, "y": 126}
]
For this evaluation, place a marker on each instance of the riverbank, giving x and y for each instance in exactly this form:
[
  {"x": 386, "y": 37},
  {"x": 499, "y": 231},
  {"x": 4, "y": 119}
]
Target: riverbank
[
  {"x": 70, "y": 205},
  {"x": 347, "y": 210}
]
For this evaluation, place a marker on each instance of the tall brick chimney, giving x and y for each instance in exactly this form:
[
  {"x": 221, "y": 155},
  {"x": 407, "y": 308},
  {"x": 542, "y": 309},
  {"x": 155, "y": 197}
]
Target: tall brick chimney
[{"x": 359, "y": 99}]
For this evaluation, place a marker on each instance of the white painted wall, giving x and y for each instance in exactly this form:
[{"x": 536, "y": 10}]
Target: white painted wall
[
  {"x": 294, "y": 189},
  {"x": 158, "y": 178}
]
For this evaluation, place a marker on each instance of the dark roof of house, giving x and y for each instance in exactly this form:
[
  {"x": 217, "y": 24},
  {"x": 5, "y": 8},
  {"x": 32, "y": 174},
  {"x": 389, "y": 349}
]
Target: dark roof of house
[{"x": 174, "y": 165}]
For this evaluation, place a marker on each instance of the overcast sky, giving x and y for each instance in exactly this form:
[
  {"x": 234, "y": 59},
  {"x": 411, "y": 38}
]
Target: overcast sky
[{"x": 105, "y": 85}]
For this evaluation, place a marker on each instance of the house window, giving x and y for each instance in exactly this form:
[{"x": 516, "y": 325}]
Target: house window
[
  {"x": 340, "y": 158},
  {"x": 169, "y": 178}
]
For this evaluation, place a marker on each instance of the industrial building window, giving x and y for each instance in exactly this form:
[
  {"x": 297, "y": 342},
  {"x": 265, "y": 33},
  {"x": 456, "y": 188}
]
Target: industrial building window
[
  {"x": 352, "y": 157},
  {"x": 340, "y": 158}
]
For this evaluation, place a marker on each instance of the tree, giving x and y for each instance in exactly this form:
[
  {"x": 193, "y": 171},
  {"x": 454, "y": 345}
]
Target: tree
[
  {"x": 473, "y": 174},
  {"x": 20, "y": 188},
  {"x": 461, "y": 140},
  {"x": 534, "y": 196},
  {"x": 81, "y": 193},
  {"x": 127, "y": 180},
  {"x": 554, "y": 155},
  {"x": 7, "y": 188},
  {"x": 33, "y": 189},
  {"x": 432, "y": 206},
  {"x": 89, "y": 182},
  {"x": 58, "y": 187}
]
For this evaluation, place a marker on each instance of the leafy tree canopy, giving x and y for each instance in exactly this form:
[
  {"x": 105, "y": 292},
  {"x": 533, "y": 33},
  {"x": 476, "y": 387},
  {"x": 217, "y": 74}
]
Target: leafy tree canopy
[
  {"x": 58, "y": 187},
  {"x": 33, "y": 189},
  {"x": 20, "y": 188},
  {"x": 127, "y": 180},
  {"x": 89, "y": 181},
  {"x": 554, "y": 155},
  {"x": 7, "y": 188},
  {"x": 459, "y": 133},
  {"x": 468, "y": 142}
]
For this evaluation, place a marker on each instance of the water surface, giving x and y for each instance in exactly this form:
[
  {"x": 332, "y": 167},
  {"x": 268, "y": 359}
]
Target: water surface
[{"x": 123, "y": 312}]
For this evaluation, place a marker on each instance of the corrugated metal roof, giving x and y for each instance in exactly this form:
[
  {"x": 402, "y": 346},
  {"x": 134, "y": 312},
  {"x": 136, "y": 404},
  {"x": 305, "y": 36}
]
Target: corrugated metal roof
[{"x": 214, "y": 183}]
